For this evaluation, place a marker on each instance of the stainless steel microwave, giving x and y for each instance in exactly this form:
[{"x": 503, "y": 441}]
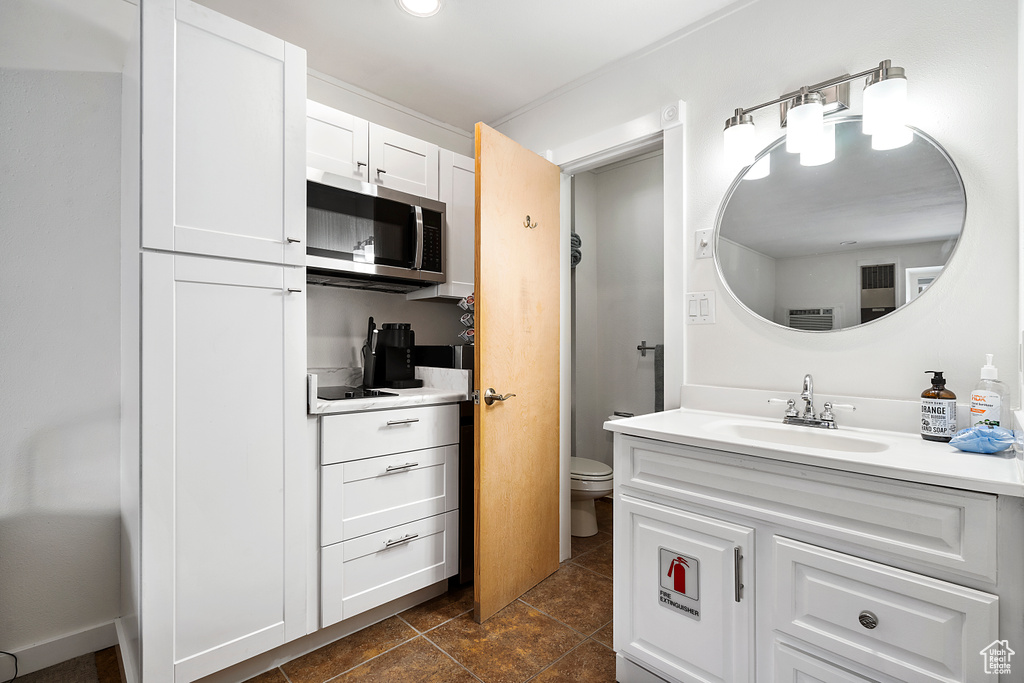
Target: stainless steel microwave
[{"x": 365, "y": 236}]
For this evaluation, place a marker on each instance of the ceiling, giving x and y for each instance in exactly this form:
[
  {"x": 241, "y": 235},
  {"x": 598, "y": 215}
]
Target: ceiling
[{"x": 476, "y": 60}]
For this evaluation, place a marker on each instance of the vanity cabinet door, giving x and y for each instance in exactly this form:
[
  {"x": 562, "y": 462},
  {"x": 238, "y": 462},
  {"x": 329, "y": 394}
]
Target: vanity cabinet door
[
  {"x": 679, "y": 607},
  {"x": 402, "y": 162}
]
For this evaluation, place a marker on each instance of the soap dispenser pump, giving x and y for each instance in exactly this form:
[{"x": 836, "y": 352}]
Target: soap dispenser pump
[
  {"x": 938, "y": 410},
  {"x": 989, "y": 397}
]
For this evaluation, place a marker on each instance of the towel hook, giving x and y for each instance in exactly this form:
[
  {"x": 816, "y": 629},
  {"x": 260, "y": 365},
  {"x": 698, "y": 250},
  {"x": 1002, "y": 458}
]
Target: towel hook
[
  {"x": 643, "y": 348},
  {"x": 527, "y": 224}
]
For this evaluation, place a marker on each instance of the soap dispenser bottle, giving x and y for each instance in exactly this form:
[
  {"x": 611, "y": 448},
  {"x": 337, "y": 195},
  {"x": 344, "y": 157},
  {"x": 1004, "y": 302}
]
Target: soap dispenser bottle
[
  {"x": 989, "y": 397},
  {"x": 938, "y": 410}
]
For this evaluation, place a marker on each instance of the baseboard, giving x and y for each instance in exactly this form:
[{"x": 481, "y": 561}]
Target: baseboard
[
  {"x": 128, "y": 665},
  {"x": 57, "y": 650}
]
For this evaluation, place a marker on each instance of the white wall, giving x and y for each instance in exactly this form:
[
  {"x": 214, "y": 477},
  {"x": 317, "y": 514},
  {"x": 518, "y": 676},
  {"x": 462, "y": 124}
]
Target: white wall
[
  {"x": 744, "y": 57},
  {"x": 751, "y": 276},
  {"x": 619, "y": 296},
  {"x": 59, "y": 345},
  {"x": 336, "y": 322}
]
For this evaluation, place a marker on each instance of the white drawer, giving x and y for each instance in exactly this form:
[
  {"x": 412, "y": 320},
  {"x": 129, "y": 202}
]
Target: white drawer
[
  {"x": 927, "y": 630},
  {"x": 794, "y": 666},
  {"x": 927, "y": 525},
  {"x": 371, "y": 570},
  {"x": 363, "y": 435},
  {"x": 362, "y": 496}
]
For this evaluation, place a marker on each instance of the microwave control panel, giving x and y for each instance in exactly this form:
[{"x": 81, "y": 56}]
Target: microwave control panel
[{"x": 432, "y": 245}]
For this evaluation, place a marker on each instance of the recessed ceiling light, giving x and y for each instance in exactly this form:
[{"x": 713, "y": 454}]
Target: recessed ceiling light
[
  {"x": 420, "y": 8},
  {"x": 847, "y": 243}
]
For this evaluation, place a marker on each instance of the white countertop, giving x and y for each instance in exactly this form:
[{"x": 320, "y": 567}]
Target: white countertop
[
  {"x": 440, "y": 385},
  {"x": 906, "y": 457}
]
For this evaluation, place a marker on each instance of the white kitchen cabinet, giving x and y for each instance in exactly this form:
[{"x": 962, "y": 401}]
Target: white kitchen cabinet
[
  {"x": 388, "y": 505},
  {"x": 352, "y": 147},
  {"x": 223, "y": 512},
  {"x": 852, "y": 577},
  {"x": 458, "y": 192},
  {"x": 223, "y": 144},
  {"x": 695, "y": 622}
]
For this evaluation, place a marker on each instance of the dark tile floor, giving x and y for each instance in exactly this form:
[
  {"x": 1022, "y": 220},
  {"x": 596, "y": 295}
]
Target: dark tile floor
[{"x": 558, "y": 632}]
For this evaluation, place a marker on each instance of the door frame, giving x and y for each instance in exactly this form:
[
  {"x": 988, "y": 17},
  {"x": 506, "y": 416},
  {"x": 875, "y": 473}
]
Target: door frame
[{"x": 663, "y": 129}]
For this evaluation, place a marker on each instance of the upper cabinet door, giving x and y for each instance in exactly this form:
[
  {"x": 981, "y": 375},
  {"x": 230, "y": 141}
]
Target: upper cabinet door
[
  {"x": 458, "y": 192},
  {"x": 336, "y": 142},
  {"x": 223, "y": 142},
  {"x": 402, "y": 162}
]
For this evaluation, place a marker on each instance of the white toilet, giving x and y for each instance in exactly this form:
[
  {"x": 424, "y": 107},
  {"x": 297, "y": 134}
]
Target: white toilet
[{"x": 590, "y": 480}]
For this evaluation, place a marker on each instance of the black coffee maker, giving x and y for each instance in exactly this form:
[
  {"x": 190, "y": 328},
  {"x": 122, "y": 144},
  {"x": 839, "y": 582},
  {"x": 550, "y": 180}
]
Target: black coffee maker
[{"x": 389, "y": 362}]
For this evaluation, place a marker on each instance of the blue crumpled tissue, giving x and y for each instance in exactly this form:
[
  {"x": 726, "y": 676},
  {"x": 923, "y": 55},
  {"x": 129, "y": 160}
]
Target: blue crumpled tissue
[{"x": 982, "y": 439}]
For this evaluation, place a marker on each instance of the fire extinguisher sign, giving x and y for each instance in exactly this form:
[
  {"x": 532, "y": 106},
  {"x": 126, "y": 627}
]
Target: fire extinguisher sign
[{"x": 679, "y": 585}]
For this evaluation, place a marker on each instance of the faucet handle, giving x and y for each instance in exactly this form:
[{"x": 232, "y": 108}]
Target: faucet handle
[
  {"x": 791, "y": 410},
  {"x": 827, "y": 413}
]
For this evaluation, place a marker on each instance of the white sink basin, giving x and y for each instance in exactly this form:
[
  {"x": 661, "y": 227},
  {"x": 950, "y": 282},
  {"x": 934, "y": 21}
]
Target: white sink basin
[{"x": 801, "y": 437}]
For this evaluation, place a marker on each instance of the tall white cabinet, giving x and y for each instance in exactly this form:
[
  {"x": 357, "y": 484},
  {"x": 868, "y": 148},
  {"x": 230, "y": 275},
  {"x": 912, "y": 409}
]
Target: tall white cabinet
[{"x": 220, "y": 566}]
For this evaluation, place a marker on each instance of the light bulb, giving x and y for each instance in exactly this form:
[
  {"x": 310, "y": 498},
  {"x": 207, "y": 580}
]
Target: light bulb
[
  {"x": 885, "y": 100},
  {"x": 822, "y": 150},
  {"x": 739, "y": 141},
  {"x": 762, "y": 168},
  {"x": 891, "y": 138},
  {"x": 804, "y": 122}
]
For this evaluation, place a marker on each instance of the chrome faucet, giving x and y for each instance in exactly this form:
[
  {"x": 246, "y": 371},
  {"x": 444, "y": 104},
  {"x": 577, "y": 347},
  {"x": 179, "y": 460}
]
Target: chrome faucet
[
  {"x": 793, "y": 416},
  {"x": 807, "y": 394}
]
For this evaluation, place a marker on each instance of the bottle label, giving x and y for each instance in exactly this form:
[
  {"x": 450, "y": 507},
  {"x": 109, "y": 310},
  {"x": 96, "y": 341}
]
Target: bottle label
[
  {"x": 938, "y": 416},
  {"x": 985, "y": 408}
]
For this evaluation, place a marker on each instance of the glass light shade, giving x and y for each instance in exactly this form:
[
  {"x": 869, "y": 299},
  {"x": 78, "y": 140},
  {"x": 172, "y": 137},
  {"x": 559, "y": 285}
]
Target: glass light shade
[
  {"x": 420, "y": 8},
  {"x": 822, "y": 150},
  {"x": 739, "y": 145},
  {"x": 803, "y": 126},
  {"x": 891, "y": 138},
  {"x": 762, "y": 168},
  {"x": 885, "y": 105}
]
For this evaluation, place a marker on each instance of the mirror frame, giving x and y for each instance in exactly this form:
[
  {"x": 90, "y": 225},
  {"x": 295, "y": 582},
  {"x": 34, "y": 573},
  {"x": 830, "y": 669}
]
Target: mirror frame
[{"x": 781, "y": 141}]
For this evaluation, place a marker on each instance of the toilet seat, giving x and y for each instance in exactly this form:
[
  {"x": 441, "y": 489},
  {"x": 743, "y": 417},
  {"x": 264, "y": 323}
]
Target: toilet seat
[{"x": 585, "y": 469}]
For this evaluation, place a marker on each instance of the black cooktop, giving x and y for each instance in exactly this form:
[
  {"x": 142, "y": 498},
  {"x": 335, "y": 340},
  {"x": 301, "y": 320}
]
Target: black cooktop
[{"x": 340, "y": 393}]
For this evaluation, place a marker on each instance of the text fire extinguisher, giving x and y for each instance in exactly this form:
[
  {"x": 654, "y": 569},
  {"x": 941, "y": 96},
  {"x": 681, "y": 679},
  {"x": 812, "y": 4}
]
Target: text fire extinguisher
[{"x": 677, "y": 572}]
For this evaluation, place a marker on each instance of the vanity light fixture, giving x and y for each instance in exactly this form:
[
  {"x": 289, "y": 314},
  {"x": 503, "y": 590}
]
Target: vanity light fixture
[
  {"x": 803, "y": 112},
  {"x": 420, "y": 8}
]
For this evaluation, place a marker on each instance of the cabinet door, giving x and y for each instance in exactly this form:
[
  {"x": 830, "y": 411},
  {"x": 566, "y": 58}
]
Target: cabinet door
[
  {"x": 336, "y": 142},
  {"x": 223, "y": 375},
  {"x": 402, "y": 162},
  {"x": 223, "y": 141},
  {"x": 679, "y": 607},
  {"x": 457, "y": 189}
]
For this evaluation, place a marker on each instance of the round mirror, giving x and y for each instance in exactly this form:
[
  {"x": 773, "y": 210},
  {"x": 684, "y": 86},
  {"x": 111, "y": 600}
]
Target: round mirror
[{"x": 827, "y": 247}]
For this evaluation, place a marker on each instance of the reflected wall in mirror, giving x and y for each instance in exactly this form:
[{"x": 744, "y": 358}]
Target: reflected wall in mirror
[{"x": 827, "y": 247}]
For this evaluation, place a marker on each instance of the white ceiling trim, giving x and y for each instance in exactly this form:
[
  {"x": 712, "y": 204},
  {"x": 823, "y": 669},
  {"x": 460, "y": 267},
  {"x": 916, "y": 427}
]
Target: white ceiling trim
[
  {"x": 338, "y": 83},
  {"x": 612, "y": 66}
]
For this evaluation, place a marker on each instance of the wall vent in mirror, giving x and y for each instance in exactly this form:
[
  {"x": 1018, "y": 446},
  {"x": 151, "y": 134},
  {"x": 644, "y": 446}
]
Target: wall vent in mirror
[{"x": 860, "y": 236}]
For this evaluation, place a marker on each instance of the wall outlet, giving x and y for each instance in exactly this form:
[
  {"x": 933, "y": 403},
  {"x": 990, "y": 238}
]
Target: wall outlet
[
  {"x": 700, "y": 308},
  {"x": 702, "y": 243}
]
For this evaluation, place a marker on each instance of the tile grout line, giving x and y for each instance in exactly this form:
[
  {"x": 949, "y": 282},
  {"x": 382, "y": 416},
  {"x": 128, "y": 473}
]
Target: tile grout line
[
  {"x": 449, "y": 655},
  {"x": 604, "y": 576},
  {"x": 557, "y": 621},
  {"x": 566, "y": 654},
  {"x": 284, "y": 674},
  {"x": 379, "y": 654}
]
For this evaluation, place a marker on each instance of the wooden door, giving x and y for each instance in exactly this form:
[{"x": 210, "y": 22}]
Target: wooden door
[{"x": 517, "y": 332}]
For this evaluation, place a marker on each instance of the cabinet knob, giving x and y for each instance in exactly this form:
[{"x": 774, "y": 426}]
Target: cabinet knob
[{"x": 867, "y": 619}]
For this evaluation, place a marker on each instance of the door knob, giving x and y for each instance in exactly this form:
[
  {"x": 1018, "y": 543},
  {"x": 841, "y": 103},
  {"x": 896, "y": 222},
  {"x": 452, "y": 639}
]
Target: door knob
[{"x": 490, "y": 396}]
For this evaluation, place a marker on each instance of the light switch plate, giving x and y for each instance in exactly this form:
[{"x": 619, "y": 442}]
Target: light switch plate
[
  {"x": 702, "y": 243},
  {"x": 700, "y": 308}
]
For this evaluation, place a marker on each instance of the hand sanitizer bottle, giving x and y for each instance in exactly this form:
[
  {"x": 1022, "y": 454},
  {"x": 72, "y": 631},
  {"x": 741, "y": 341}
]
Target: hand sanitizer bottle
[{"x": 989, "y": 398}]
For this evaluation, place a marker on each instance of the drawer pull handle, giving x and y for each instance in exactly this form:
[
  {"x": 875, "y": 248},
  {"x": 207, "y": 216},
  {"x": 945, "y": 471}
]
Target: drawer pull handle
[
  {"x": 396, "y": 468},
  {"x": 400, "y": 541},
  {"x": 406, "y": 421},
  {"x": 867, "y": 620}
]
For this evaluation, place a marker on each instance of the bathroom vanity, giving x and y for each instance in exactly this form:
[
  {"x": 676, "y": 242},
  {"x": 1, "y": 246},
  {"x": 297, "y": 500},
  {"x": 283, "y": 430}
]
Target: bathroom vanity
[{"x": 747, "y": 550}]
